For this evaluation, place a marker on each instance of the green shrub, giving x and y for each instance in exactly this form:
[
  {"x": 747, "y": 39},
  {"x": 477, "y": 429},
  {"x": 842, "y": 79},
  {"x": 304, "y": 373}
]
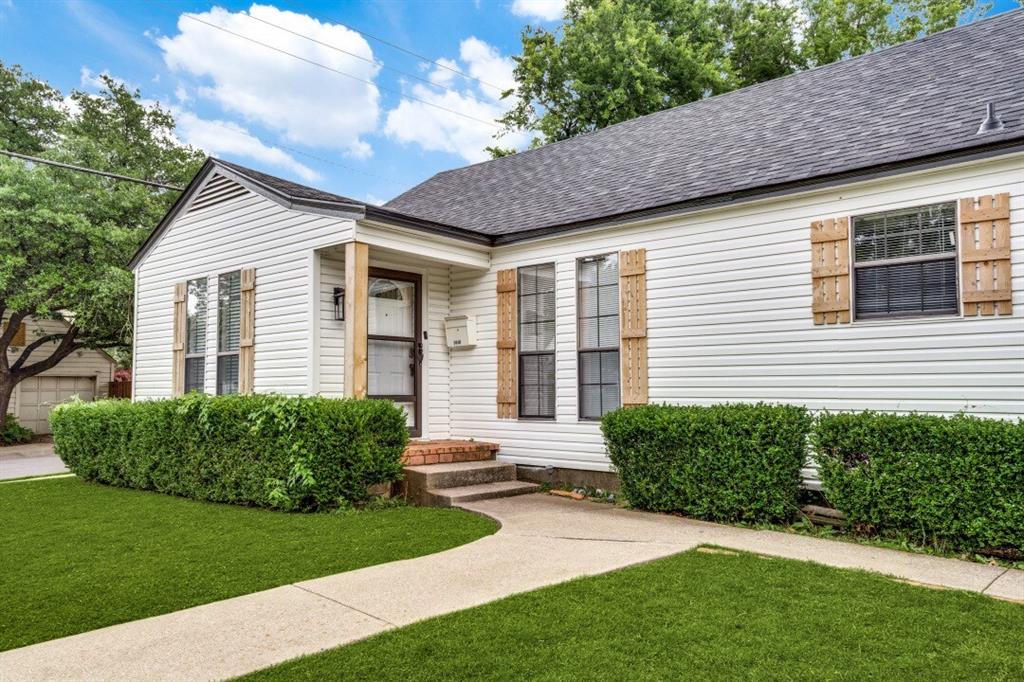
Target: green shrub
[
  {"x": 731, "y": 462},
  {"x": 265, "y": 450},
  {"x": 956, "y": 483},
  {"x": 13, "y": 433}
]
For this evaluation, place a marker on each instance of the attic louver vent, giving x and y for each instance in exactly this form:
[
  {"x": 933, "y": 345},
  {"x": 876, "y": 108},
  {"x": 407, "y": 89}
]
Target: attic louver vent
[{"x": 218, "y": 190}]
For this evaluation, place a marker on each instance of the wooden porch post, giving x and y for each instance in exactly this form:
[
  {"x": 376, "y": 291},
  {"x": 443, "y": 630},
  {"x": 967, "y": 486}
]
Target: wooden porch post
[{"x": 357, "y": 261}]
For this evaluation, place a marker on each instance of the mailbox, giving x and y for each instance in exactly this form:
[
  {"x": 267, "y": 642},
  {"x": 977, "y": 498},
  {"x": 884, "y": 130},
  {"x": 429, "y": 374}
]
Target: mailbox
[{"x": 460, "y": 331}]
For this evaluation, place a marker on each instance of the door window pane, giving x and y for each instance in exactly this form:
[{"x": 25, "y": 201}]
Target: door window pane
[
  {"x": 391, "y": 307},
  {"x": 390, "y": 367}
]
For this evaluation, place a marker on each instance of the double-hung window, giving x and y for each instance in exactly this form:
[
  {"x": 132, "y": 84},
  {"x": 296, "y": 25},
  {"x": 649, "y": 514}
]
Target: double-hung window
[
  {"x": 195, "y": 335},
  {"x": 229, "y": 309},
  {"x": 597, "y": 305},
  {"x": 536, "y": 289},
  {"x": 905, "y": 262}
]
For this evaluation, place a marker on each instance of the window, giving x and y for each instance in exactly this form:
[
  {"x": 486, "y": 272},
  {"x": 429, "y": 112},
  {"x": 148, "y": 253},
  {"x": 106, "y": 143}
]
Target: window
[
  {"x": 195, "y": 335},
  {"x": 905, "y": 262},
  {"x": 597, "y": 306},
  {"x": 537, "y": 341},
  {"x": 229, "y": 309}
]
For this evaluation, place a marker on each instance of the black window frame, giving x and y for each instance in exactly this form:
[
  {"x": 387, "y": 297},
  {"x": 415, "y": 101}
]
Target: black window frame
[
  {"x": 952, "y": 256},
  {"x": 536, "y": 353},
  {"x": 603, "y": 351},
  {"x": 224, "y": 357}
]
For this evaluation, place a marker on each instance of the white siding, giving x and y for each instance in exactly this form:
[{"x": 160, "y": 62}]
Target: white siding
[
  {"x": 244, "y": 231},
  {"x": 730, "y": 320},
  {"x": 81, "y": 363},
  {"x": 332, "y": 332}
]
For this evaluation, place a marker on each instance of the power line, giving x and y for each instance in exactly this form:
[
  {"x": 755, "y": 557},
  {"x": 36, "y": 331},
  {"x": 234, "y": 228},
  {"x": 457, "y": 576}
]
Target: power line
[
  {"x": 84, "y": 169},
  {"x": 353, "y": 54},
  {"x": 338, "y": 71}
]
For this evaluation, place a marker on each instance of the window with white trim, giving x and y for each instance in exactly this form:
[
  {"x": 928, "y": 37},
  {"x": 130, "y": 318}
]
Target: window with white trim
[
  {"x": 229, "y": 319},
  {"x": 536, "y": 291},
  {"x": 195, "y": 335},
  {"x": 905, "y": 263},
  {"x": 597, "y": 306}
]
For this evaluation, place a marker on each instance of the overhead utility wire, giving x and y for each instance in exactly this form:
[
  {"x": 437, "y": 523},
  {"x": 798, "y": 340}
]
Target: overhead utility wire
[
  {"x": 357, "y": 56},
  {"x": 84, "y": 169},
  {"x": 338, "y": 71}
]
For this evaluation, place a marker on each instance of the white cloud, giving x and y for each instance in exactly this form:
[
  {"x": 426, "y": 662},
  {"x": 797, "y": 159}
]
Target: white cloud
[
  {"x": 219, "y": 138},
  {"x": 433, "y": 129},
  {"x": 306, "y": 104},
  {"x": 545, "y": 10}
]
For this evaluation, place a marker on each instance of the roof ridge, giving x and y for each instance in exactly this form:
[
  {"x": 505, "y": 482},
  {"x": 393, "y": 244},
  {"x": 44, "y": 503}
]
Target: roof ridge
[{"x": 748, "y": 88}]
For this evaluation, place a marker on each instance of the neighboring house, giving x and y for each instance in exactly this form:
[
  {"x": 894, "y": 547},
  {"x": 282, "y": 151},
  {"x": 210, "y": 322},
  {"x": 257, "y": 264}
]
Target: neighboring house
[
  {"x": 843, "y": 238},
  {"x": 85, "y": 373}
]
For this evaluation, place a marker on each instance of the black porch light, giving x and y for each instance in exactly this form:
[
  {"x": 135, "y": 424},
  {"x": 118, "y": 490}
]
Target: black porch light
[{"x": 339, "y": 303}]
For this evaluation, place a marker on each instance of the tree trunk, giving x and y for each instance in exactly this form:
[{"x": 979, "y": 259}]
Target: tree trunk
[{"x": 6, "y": 390}]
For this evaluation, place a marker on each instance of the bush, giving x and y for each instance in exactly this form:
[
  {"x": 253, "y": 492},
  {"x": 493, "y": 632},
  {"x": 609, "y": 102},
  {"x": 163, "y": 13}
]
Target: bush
[
  {"x": 731, "y": 462},
  {"x": 956, "y": 483},
  {"x": 265, "y": 450},
  {"x": 13, "y": 433}
]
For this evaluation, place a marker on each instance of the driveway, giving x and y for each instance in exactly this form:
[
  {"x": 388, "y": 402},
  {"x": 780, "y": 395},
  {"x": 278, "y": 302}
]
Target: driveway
[{"x": 31, "y": 459}]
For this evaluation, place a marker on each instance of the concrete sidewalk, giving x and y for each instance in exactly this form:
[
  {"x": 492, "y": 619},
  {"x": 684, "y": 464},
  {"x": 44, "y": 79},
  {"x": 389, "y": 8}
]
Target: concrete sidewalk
[
  {"x": 543, "y": 540},
  {"x": 30, "y": 459}
]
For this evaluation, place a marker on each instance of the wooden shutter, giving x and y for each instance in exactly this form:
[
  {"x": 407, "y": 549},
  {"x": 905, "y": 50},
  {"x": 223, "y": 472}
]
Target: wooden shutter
[
  {"x": 247, "y": 331},
  {"x": 985, "y": 255},
  {"x": 20, "y": 337},
  {"x": 508, "y": 371},
  {"x": 830, "y": 270},
  {"x": 633, "y": 326},
  {"x": 178, "y": 341}
]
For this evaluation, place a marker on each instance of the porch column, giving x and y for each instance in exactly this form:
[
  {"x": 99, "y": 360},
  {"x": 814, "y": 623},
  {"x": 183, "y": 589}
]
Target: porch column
[{"x": 357, "y": 257}]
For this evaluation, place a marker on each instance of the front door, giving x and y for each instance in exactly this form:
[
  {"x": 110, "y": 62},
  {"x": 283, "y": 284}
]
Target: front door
[{"x": 394, "y": 343}]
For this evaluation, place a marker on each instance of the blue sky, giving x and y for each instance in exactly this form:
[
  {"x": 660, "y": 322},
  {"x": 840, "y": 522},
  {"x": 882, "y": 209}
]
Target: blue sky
[{"x": 247, "y": 103}]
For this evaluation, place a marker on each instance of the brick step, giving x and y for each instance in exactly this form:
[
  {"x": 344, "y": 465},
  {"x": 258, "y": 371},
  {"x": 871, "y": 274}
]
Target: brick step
[
  {"x": 458, "y": 474},
  {"x": 450, "y": 497},
  {"x": 421, "y": 452}
]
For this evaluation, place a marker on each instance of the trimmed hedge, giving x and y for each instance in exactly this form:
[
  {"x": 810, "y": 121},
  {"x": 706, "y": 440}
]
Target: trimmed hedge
[
  {"x": 264, "y": 450},
  {"x": 952, "y": 482},
  {"x": 733, "y": 462}
]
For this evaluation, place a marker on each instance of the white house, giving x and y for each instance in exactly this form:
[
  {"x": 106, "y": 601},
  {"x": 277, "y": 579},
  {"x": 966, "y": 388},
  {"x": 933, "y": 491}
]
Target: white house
[{"x": 845, "y": 238}]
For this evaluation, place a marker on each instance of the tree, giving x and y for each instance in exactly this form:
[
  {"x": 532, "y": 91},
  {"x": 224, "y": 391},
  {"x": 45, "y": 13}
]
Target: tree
[
  {"x": 613, "y": 60},
  {"x": 66, "y": 237}
]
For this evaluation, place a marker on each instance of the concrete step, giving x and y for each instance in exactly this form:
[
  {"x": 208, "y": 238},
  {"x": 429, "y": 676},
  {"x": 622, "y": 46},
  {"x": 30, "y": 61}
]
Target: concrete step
[
  {"x": 450, "y": 497},
  {"x": 458, "y": 474}
]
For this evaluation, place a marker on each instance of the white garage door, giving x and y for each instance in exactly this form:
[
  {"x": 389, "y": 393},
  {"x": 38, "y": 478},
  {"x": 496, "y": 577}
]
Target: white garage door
[{"x": 39, "y": 395}]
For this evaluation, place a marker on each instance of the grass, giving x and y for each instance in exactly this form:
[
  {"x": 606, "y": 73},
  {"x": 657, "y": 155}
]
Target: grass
[
  {"x": 699, "y": 616},
  {"x": 76, "y": 556}
]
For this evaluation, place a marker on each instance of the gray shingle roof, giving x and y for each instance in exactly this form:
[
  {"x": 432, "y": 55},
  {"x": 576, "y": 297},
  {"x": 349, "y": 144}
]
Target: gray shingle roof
[
  {"x": 907, "y": 102},
  {"x": 287, "y": 187}
]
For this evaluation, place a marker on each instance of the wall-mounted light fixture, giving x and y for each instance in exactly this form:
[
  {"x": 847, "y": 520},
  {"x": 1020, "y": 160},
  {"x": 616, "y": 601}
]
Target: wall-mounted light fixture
[{"x": 339, "y": 303}]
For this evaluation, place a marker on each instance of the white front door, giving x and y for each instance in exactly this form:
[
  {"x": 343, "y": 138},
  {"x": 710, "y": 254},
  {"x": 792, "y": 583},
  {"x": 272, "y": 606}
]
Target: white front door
[{"x": 394, "y": 347}]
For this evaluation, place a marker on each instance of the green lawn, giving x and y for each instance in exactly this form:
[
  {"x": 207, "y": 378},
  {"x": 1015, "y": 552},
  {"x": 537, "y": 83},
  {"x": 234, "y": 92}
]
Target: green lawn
[
  {"x": 699, "y": 616},
  {"x": 76, "y": 556}
]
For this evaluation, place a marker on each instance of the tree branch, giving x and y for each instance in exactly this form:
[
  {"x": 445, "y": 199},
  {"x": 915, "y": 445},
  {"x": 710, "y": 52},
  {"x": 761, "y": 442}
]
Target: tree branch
[
  {"x": 30, "y": 348},
  {"x": 66, "y": 347}
]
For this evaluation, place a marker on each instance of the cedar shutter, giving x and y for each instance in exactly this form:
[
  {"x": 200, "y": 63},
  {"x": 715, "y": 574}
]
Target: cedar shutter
[
  {"x": 985, "y": 255},
  {"x": 178, "y": 341},
  {"x": 633, "y": 326},
  {"x": 508, "y": 371},
  {"x": 20, "y": 337},
  {"x": 830, "y": 270},
  {"x": 247, "y": 331}
]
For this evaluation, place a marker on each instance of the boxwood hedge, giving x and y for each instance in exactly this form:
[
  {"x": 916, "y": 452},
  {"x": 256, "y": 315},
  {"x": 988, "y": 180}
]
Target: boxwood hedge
[
  {"x": 956, "y": 483},
  {"x": 733, "y": 462},
  {"x": 264, "y": 450}
]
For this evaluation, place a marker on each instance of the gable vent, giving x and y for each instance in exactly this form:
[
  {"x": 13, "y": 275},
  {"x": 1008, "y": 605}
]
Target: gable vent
[{"x": 218, "y": 190}]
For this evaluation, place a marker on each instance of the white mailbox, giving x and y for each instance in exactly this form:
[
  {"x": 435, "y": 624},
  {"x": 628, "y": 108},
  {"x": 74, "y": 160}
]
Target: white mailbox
[{"x": 460, "y": 331}]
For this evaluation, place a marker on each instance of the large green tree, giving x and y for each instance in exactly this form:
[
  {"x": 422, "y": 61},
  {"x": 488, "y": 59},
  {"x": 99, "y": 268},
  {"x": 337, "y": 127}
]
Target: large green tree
[
  {"x": 66, "y": 236},
  {"x": 613, "y": 60}
]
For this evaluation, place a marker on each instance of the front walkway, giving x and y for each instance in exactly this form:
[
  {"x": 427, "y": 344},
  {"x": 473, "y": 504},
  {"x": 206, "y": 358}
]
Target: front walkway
[
  {"x": 30, "y": 459},
  {"x": 543, "y": 540}
]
